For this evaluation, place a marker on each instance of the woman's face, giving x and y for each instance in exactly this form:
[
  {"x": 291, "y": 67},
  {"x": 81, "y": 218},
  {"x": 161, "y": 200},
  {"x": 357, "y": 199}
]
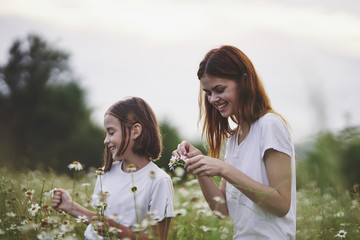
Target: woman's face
[
  {"x": 113, "y": 135},
  {"x": 222, "y": 93}
]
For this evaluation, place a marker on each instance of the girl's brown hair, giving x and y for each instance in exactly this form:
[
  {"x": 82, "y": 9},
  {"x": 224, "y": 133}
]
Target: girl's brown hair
[
  {"x": 231, "y": 63},
  {"x": 130, "y": 111}
]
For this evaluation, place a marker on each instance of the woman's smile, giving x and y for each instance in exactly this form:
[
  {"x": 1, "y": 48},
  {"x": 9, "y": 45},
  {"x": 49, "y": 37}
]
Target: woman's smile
[{"x": 222, "y": 93}]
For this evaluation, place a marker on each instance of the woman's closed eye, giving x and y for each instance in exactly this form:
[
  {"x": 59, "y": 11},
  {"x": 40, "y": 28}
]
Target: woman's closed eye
[
  {"x": 219, "y": 90},
  {"x": 208, "y": 93}
]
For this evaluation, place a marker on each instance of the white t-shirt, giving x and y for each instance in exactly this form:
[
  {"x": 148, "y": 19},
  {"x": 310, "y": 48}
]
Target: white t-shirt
[
  {"x": 154, "y": 196},
  {"x": 250, "y": 221}
]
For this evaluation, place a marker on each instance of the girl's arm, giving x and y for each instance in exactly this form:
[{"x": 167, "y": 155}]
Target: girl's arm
[
  {"x": 275, "y": 198},
  {"x": 62, "y": 200},
  {"x": 160, "y": 230}
]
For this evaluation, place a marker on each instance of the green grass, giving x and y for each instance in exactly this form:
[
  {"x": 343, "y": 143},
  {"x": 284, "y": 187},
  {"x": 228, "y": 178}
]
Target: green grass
[{"x": 319, "y": 215}]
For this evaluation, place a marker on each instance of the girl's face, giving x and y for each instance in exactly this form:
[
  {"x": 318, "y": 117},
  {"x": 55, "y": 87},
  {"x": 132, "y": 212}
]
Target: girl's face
[
  {"x": 222, "y": 93},
  {"x": 113, "y": 137}
]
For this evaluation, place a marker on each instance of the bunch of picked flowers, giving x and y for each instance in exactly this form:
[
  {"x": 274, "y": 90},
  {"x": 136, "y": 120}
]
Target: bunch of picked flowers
[{"x": 176, "y": 161}]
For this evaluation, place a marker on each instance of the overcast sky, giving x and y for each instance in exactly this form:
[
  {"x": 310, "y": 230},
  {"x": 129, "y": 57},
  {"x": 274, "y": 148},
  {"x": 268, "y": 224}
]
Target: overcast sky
[{"x": 307, "y": 53}]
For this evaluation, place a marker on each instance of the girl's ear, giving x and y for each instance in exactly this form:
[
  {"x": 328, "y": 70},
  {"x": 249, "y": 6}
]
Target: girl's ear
[{"x": 136, "y": 130}]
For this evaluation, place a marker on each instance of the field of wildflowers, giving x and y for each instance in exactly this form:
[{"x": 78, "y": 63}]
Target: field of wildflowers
[{"x": 26, "y": 211}]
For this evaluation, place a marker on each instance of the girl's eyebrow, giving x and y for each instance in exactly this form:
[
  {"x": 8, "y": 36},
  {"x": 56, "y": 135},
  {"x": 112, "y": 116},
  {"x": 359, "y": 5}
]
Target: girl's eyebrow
[{"x": 109, "y": 128}]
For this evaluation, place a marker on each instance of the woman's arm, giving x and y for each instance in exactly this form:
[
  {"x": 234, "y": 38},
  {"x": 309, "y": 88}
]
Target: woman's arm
[
  {"x": 275, "y": 198},
  {"x": 62, "y": 200},
  {"x": 215, "y": 196}
]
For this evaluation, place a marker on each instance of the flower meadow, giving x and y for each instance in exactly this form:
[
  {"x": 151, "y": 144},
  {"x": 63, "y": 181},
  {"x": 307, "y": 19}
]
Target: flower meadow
[{"x": 26, "y": 211}]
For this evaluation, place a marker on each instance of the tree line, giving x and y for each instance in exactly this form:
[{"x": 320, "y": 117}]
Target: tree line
[{"x": 45, "y": 122}]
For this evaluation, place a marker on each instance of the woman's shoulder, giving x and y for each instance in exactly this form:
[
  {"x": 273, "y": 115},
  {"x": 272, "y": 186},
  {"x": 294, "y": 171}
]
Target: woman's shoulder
[
  {"x": 273, "y": 123},
  {"x": 271, "y": 117}
]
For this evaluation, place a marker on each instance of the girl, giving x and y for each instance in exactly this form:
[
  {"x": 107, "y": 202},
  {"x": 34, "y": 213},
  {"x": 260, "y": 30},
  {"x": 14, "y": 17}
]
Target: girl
[
  {"x": 134, "y": 189},
  {"x": 257, "y": 187}
]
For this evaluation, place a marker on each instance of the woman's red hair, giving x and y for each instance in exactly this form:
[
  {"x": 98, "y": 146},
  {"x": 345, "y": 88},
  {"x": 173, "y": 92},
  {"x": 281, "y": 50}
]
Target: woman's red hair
[{"x": 230, "y": 63}]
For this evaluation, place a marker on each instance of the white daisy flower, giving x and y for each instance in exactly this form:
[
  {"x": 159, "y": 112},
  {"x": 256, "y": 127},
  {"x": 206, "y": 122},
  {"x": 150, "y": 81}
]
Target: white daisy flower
[
  {"x": 76, "y": 166},
  {"x": 80, "y": 219}
]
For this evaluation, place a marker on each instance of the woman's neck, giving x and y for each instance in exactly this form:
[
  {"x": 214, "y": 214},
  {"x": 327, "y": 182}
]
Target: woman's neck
[{"x": 243, "y": 132}]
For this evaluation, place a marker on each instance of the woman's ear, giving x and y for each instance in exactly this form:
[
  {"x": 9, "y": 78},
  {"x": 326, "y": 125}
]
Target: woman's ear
[{"x": 136, "y": 130}]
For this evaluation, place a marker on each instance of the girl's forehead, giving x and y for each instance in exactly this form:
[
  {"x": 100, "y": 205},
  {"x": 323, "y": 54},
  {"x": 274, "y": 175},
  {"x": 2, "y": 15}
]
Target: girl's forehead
[{"x": 111, "y": 121}]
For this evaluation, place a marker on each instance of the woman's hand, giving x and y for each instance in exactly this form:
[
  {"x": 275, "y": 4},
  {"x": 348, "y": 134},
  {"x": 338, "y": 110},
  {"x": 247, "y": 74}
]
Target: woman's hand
[
  {"x": 201, "y": 165},
  {"x": 187, "y": 150},
  {"x": 61, "y": 200}
]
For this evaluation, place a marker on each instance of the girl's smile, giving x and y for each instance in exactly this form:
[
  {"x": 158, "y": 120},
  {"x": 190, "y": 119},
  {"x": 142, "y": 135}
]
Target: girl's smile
[{"x": 113, "y": 136}]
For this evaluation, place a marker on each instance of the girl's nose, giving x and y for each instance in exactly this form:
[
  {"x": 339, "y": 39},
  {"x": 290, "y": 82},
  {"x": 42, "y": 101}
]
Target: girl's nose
[{"x": 106, "y": 141}]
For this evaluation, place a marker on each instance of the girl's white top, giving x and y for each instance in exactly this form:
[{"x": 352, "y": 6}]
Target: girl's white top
[
  {"x": 250, "y": 221},
  {"x": 154, "y": 196}
]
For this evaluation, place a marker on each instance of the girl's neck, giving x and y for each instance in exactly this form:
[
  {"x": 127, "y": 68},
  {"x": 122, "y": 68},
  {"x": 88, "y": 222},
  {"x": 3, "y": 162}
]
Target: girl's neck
[{"x": 138, "y": 161}]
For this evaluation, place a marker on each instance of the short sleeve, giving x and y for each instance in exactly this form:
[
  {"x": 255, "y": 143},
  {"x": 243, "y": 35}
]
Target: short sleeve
[
  {"x": 161, "y": 201},
  {"x": 275, "y": 135}
]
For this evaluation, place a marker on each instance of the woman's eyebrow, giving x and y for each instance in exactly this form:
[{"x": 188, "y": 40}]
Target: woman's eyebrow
[{"x": 213, "y": 88}]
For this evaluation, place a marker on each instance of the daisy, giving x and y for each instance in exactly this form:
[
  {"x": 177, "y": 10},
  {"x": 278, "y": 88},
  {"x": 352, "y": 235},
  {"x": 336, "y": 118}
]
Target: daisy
[
  {"x": 66, "y": 227},
  {"x": 152, "y": 175},
  {"x": 219, "y": 214},
  {"x": 341, "y": 234},
  {"x": 339, "y": 214},
  {"x": 179, "y": 172},
  {"x": 180, "y": 212},
  {"x": 76, "y": 166},
  {"x": 205, "y": 228},
  {"x": 131, "y": 168},
  {"x": 177, "y": 161},
  {"x": 116, "y": 217},
  {"x": 218, "y": 199},
  {"x": 11, "y": 214},
  {"x": 34, "y": 209},
  {"x": 81, "y": 219},
  {"x": 29, "y": 193},
  {"x": 115, "y": 230},
  {"x": 99, "y": 172}
]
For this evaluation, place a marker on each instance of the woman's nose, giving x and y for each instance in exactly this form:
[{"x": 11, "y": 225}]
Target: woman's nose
[{"x": 213, "y": 98}]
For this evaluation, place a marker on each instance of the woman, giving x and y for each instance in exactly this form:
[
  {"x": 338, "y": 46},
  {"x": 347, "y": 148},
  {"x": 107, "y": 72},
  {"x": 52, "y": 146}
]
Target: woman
[{"x": 258, "y": 174}]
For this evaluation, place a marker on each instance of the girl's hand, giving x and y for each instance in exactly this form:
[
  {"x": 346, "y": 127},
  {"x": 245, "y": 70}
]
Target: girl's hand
[
  {"x": 187, "y": 150},
  {"x": 61, "y": 200},
  {"x": 201, "y": 165}
]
